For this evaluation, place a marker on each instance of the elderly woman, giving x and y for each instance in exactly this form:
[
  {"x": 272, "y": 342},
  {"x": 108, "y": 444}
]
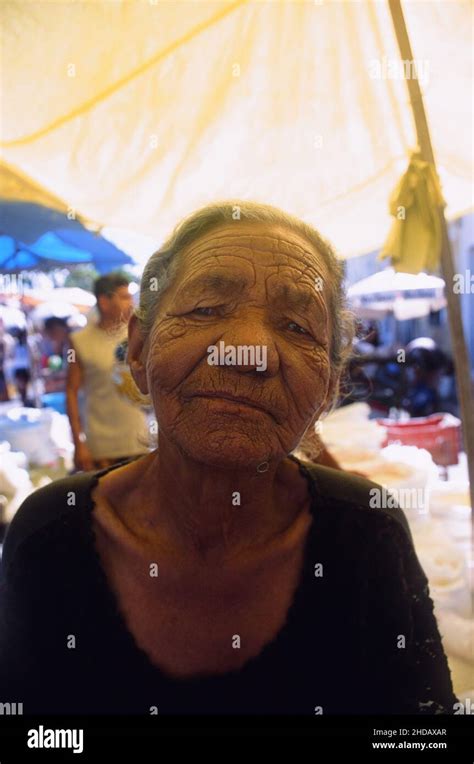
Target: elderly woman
[{"x": 219, "y": 573}]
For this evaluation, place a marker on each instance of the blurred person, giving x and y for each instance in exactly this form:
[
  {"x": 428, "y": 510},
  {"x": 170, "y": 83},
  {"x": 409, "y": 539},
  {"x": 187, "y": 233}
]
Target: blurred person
[
  {"x": 425, "y": 364},
  {"x": 220, "y": 574},
  {"x": 7, "y": 345},
  {"x": 21, "y": 356},
  {"x": 56, "y": 344},
  {"x": 114, "y": 427},
  {"x": 56, "y": 331},
  {"x": 367, "y": 339},
  {"x": 25, "y": 366},
  {"x": 22, "y": 379}
]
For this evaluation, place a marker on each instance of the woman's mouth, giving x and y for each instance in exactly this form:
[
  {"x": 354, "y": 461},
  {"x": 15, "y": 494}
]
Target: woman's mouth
[{"x": 229, "y": 402}]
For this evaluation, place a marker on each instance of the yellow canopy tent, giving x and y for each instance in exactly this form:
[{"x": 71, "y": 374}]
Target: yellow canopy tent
[{"x": 137, "y": 112}]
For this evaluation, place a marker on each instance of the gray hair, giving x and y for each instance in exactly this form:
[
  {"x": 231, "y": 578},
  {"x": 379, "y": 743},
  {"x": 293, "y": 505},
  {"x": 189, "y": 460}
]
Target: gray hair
[{"x": 162, "y": 266}]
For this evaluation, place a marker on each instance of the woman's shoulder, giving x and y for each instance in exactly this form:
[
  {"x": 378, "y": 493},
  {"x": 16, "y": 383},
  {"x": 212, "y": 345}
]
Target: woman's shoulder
[
  {"x": 339, "y": 490},
  {"x": 46, "y": 507}
]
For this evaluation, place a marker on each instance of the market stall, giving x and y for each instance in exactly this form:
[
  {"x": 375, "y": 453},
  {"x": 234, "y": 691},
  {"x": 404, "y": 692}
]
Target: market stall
[{"x": 328, "y": 141}]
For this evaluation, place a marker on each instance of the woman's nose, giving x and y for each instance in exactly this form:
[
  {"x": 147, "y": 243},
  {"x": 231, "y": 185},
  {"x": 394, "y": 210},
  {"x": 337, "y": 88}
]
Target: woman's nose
[{"x": 250, "y": 347}]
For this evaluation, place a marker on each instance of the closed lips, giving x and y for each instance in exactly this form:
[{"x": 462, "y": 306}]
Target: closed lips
[{"x": 233, "y": 398}]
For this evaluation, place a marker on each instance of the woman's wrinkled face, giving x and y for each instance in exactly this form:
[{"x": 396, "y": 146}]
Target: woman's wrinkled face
[{"x": 237, "y": 361}]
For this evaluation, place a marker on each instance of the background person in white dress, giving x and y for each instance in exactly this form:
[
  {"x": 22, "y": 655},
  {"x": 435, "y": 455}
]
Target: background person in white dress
[{"x": 114, "y": 428}]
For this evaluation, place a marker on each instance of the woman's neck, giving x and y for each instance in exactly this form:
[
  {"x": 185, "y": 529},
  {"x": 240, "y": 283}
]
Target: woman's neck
[{"x": 214, "y": 513}]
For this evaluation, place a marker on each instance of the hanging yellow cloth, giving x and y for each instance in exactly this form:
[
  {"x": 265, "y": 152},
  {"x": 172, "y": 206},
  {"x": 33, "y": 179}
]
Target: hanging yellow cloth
[{"x": 414, "y": 241}]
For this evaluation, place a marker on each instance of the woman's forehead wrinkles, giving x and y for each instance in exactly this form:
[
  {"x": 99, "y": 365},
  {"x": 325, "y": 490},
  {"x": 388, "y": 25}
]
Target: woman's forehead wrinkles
[
  {"x": 306, "y": 263},
  {"x": 232, "y": 243},
  {"x": 294, "y": 269}
]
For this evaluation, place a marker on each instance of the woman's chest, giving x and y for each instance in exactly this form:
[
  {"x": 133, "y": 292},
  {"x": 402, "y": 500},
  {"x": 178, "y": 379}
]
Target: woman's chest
[{"x": 200, "y": 620}]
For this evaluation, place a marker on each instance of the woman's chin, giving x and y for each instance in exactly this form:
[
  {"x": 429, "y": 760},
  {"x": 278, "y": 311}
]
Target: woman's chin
[{"x": 229, "y": 455}]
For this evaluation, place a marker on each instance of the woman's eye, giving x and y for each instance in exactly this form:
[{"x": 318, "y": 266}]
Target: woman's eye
[
  {"x": 203, "y": 311},
  {"x": 294, "y": 327}
]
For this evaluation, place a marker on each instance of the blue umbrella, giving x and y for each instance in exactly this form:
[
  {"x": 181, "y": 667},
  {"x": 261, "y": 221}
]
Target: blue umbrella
[{"x": 36, "y": 237}]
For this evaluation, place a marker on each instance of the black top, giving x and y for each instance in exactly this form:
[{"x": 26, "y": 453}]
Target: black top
[{"x": 360, "y": 638}]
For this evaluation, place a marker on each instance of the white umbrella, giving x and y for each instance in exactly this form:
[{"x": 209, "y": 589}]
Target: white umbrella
[
  {"x": 54, "y": 308},
  {"x": 388, "y": 281},
  {"x": 12, "y": 317},
  {"x": 402, "y": 308},
  {"x": 76, "y": 296},
  {"x": 398, "y": 293}
]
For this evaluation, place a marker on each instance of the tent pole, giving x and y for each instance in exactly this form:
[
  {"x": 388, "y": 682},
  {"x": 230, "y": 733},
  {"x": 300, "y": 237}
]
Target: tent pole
[{"x": 460, "y": 354}]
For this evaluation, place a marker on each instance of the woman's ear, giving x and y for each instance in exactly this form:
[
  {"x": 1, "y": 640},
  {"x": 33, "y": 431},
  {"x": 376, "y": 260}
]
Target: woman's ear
[{"x": 136, "y": 342}]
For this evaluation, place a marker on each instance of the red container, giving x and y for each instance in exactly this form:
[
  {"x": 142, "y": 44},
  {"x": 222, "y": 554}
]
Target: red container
[{"x": 440, "y": 434}]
